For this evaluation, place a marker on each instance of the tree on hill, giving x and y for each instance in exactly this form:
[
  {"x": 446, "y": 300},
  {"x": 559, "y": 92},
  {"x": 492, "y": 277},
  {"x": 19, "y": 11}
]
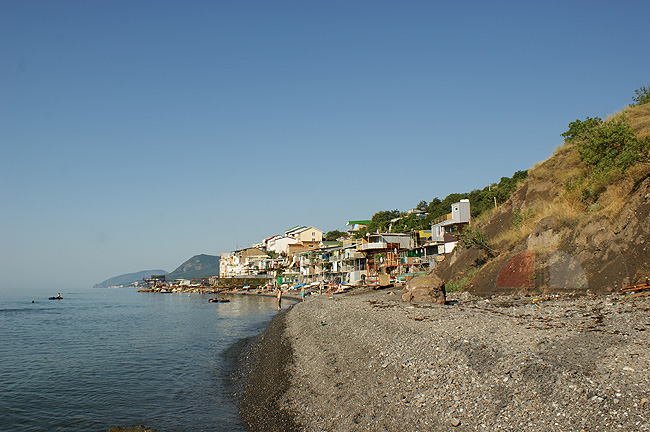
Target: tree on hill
[
  {"x": 642, "y": 96},
  {"x": 379, "y": 222},
  {"x": 480, "y": 201},
  {"x": 334, "y": 235}
]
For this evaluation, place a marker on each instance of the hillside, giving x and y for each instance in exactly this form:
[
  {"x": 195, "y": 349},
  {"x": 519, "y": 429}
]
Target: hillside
[
  {"x": 573, "y": 224},
  {"x": 128, "y": 278},
  {"x": 196, "y": 267}
]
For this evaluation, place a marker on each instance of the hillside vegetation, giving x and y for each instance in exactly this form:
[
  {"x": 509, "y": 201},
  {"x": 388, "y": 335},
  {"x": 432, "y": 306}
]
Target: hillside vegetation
[
  {"x": 481, "y": 200},
  {"x": 580, "y": 220},
  {"x": 128, "y": 278},
  {"x": 199, "y": 266}
]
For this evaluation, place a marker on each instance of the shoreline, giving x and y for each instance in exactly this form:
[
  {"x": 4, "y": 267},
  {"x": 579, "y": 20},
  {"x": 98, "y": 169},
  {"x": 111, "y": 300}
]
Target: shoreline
[
  {"x": 368, "y": 361},
  {"x": 265, "y": 382}
]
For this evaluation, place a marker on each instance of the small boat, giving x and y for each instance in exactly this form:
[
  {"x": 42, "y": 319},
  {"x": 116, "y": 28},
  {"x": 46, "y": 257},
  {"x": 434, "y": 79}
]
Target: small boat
[
  {"x": 219, "y": 300},
  {"x": 56, "y": 298}
]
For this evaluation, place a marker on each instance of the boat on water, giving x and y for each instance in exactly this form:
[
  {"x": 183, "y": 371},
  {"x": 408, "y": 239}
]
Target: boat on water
[
  {"x": 58, "y": 297},
  {"x": 219, "y": 300}
]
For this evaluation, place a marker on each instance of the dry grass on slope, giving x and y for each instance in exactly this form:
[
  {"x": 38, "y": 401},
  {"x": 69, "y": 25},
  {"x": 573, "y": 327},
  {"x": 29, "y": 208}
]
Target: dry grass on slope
[
  {"x": 639, "y": 117},
  {"x": 565, "y": 199},
  {"x": 576, "y": 194}
]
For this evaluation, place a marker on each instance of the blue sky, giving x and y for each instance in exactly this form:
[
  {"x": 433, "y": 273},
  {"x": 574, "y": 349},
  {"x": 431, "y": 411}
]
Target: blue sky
[{"x": 136, "y": 134}]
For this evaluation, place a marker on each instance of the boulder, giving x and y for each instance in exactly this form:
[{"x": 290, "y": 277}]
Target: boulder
[{"x": 425, "y": 289}]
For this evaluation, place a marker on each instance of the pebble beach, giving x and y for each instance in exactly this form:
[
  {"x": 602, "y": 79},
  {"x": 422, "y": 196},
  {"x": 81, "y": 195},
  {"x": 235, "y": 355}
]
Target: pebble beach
[{"x": 367, "y": 361}]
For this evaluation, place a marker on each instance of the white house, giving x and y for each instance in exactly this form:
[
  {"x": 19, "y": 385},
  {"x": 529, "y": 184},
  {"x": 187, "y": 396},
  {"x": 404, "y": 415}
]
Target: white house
[
  {"x": 459, "y": 216},
  {"x": 280, "y": 244},
  {"x": 442, "y": 227}
]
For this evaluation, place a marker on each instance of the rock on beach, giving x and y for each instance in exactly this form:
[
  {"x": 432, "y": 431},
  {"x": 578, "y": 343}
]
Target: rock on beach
[
  {"x": 425, "y": 289},
  {"x": 370, "y": 362}
]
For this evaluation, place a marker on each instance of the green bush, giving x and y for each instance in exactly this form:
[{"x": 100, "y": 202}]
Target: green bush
[
  {"x": 642, "y": 96},
  {"x": 335, "y": 234},
  {"x": 606, "y": 145},
  {"x": 474, "y": 238}
]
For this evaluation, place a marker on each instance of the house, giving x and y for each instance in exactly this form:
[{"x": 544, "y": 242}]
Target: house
[
  {"x": 382, "y": 253},
  {"x": 450, "y": 241},
  {"x": 356, "y": 225},
  {"x": 455, "y": 221},
  {"x": 342, "y": 264},
  {"x": 292, "y": 249},
  {"x": 309, "y": 265},
  {"x": 385, "y": 241},
  {"x": 226, "y": 264},
  {"x": 291, "y": 232},
  {"x": 458, "y": 218},
  {"x": 354, "y": 265},
  {"x": 305, "y": 234},
  {"x": 280, "y": 244},
  {"x": 265, "y": 243},
  {"x": 244, "y": 262}
]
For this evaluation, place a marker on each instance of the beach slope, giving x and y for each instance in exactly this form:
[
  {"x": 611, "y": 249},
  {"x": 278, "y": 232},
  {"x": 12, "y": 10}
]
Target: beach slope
[{"x": 374, "y": 363}]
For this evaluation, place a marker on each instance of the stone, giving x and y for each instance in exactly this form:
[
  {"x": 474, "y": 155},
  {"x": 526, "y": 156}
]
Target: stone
[
  {"x": 425, "y": 289},
  {"x": 455, "y": 422}
]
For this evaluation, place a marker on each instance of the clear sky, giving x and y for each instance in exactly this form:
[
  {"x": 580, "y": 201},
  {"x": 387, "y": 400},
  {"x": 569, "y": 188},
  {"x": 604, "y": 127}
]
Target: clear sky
[{"x": 136, "y": 134}]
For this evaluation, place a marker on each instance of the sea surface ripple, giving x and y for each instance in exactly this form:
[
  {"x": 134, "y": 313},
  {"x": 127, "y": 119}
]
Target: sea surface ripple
[{"x": 115, "y": 357}]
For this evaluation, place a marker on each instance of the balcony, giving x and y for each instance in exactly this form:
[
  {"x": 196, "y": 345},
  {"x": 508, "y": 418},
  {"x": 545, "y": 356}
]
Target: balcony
[
  {"x": 377, "y": 246},
  {"x": 442, "y": 219}
]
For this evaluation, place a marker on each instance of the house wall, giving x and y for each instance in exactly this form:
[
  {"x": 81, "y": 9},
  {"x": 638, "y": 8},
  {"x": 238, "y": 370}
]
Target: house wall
[
  {"x": 281, "y": 244},
  {"x": 460, "y": 212},
  {"x": 450, "y": 247},
  {"x": 311, "y": 234},
  {"x": 460, "y": 215},
  {"x": 301, "y": 247},
  {"x": 225, "y": 264},
  {"x": 381, "y": 241}
]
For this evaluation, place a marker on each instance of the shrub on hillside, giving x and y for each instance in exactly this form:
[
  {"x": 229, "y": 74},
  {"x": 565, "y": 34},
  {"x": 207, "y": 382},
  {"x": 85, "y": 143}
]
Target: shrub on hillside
[
  {"x": 472, "y": 237},
  {"x": 642, "y": 96},
  {"x": 606, "y": 145}
]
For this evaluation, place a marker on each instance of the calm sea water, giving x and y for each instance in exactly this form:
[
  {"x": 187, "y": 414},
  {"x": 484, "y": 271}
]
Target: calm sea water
[{"x": 116, "y": 357}]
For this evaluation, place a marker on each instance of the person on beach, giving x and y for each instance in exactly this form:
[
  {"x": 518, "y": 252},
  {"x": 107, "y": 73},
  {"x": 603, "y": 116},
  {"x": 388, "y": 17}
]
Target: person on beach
[
  {"x": 279, "y": 297},
  {"x": 302, "y": 293}
]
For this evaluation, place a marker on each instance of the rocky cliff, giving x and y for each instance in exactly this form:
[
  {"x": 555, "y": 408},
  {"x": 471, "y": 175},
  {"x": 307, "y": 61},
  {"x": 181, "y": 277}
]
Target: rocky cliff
[{"x": 564, "y": 229}]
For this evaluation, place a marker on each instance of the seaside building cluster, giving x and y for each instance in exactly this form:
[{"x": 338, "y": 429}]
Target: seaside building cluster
[{"x": 301, "y": 255}]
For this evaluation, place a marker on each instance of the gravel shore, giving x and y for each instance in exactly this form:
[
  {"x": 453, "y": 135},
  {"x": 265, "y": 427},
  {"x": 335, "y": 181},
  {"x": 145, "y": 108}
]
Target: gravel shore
[{"x": 370, "y": 362}]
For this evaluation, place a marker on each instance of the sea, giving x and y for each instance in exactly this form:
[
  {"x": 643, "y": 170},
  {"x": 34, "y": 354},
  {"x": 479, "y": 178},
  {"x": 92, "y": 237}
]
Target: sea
[{"x": 102, "y": 358}]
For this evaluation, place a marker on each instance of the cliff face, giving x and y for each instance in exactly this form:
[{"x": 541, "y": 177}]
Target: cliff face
[{"x": 563, "y": 231}]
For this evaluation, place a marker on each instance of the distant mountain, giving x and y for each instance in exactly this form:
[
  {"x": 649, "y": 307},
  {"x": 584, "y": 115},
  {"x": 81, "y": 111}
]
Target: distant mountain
[
  {"x": 129, "y": 278},
  {"x": 195, "y": 267}
]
